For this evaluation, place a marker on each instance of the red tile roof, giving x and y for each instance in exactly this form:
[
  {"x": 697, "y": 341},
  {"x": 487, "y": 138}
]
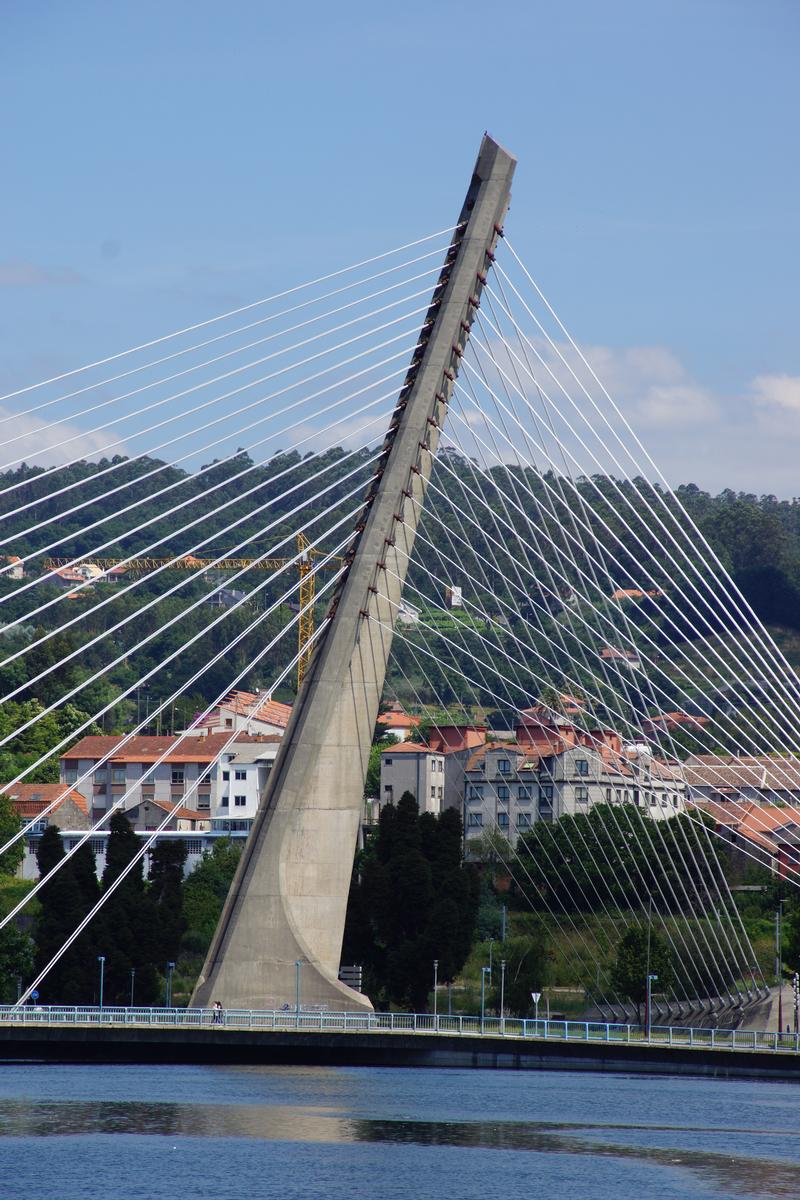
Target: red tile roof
[
  {"x": 410, "y": 748},
  {"x": 147, "y": 749},
  {"x": 29, "y": 799},
  {"x": 397, "y": 720}
]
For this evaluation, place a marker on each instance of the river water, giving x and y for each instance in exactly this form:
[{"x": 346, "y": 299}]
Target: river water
[{"x": 229, "y": 1133}]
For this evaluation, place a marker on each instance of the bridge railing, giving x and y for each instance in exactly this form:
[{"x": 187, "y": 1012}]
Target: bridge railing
[{"x": 323, "y": 1021}]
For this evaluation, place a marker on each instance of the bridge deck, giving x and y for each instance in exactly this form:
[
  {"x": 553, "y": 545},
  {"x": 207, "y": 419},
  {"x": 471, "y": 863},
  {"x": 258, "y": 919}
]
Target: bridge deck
[{"x": 388, "y": 1039}]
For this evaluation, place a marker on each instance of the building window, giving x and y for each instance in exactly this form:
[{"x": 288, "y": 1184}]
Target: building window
[
  {"x": 229, "y": 722},
  {"x": 546, "y": 793},
  {"x": 177, "y": 776},
  {"x": 223, "y": 803},
  {"x": 97, "y": 845},
  {"x": 502, "y": 820},
  {"x": 475, "y": 819},
  {"x": 523, "y": 820},
  {"x": 387, "y": 762},
  {"x": 581, "y": 795},
  {"x": 504, "y": 765},
  {"x": 226, "y": 776},
  {"x": 433, "y": 791},
  {"x": 476, "y": 791},
  {"x": 441, "y": 793},
  {"x": 117, "y": 774},
  {"x": 240, "y": 774},
  {"x": 502, "y": 791},
  {"x": 581, "y": 766},
  {"x": 524, "y": 793},
  {"x": 193, "y": 845},
  {"x": 71, "y": 775},
  {"x": 608, "y": 795},
  {"x": 204, "y": 801},
  {"x": 240, "y": 801},
  {"x": 618, "y": 794}
]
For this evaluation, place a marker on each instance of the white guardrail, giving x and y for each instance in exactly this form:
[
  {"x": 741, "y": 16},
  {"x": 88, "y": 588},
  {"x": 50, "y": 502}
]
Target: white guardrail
[{"x": 317, "y": 1021}]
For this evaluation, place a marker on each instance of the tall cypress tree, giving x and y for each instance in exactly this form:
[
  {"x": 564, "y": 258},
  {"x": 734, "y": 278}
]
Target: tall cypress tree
[
  {"x": 63, "y": 903},
  {"x": 127, "y": 933},
  {"x": 166, "y": 893}
]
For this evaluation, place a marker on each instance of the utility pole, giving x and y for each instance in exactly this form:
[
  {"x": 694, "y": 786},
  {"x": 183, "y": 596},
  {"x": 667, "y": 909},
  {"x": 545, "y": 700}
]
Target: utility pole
[
  {"x": 779, "y": 961},
  {"x": 502, "y": 994}
]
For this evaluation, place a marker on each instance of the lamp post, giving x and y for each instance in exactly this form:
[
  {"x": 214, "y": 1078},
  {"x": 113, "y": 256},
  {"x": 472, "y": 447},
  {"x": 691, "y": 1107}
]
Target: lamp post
[
  {"x": 484, "y": 972},
  {"x": 502, "y": 994},
  {"x": 133, "y": 981},
  {"x": 168, "y": 987},
  {"x": 101, "y": 958},
  {"x": 779, "y": 961},
  {"x": 435, "y": 982},
  {"x": 491, "y": 944},
  {"x": 651, "y": 979},
  {"x": 297, "y": 968}
]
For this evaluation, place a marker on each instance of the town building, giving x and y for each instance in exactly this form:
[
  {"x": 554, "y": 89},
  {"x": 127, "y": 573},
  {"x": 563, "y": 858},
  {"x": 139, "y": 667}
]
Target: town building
[
  {"x": 243, "y": 712},
  {"x": 396, "y": 722},
  {"x": 433, "y": 772},
  {"x": 416, "y": 768},
  {"x": 766, "y": 833},
  {"x": 555, "y": 769},
  {"x": 729, "y": 778}
]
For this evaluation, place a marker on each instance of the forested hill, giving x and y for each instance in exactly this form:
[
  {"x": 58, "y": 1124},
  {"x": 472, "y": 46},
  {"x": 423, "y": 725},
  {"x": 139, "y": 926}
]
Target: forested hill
[{"x": 756, "y": 538}]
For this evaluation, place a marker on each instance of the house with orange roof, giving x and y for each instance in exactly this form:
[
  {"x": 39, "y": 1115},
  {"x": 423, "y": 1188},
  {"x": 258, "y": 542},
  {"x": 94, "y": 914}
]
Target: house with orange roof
[
  {"x": 244, "y": 712},
  {"x": 397, "y": 723},
  {"x": 70, "y": 808}
]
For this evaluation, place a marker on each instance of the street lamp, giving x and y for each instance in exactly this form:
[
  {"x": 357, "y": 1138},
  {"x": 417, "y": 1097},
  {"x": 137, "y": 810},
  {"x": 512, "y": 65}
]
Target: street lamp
[
  {"x": 297, "y": 968},
  {"x": 502, "y": 994},
  {"x": 133, "y": 981},
  {"x": 101, "y": 958},
  {"x": 435, "y": 982},
  {"x": 651, "y": 979},
  {"x": 484, "y": 972},
  {"x": 168, "y": 986},
  {"x": 779, "y": 961}
]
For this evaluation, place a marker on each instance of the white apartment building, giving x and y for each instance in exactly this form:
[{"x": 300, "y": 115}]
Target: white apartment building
[{"x": 215, "y": 784}]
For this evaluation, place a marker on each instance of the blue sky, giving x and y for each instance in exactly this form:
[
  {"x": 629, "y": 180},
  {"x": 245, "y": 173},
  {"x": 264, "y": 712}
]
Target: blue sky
[{"x": 165, "y": 161}]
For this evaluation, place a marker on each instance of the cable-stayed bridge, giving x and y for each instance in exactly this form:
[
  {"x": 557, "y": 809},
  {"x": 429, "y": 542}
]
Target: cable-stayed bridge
[{"x": 418, "y": 420}]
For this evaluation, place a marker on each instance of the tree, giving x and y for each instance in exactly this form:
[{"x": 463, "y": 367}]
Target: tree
[
  {"x": 412, "y": 900},
  {"x": 641, "y": 952},
  {"x": 167, "y": 862},
  {"x": 204, "y": 892},
  {"x": 16, "y": 961},
  {"x": 127, "y": 931},
  {"x": 63, "y": 903},
  {"x": 9, "y": 825}
]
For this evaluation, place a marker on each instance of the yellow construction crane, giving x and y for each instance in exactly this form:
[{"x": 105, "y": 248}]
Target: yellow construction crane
[{"x": 305, "y": 567}]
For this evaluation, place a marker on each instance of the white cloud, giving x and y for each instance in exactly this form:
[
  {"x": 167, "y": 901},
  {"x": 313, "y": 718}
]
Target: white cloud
[
  {"x": 747, "y": 439},
  {"x": 48, "y": 445},
  {"x": 773, "y": 392},
  {"x": 20, "y": 273}
]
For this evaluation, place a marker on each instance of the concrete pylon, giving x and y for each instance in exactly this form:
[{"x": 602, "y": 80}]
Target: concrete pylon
[{"x": 288, "y": 900}]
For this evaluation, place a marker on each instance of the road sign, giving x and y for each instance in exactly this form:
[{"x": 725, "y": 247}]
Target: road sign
[
  {"x": 536, "y": 997},
  {"x": 34, "y": 995}
]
